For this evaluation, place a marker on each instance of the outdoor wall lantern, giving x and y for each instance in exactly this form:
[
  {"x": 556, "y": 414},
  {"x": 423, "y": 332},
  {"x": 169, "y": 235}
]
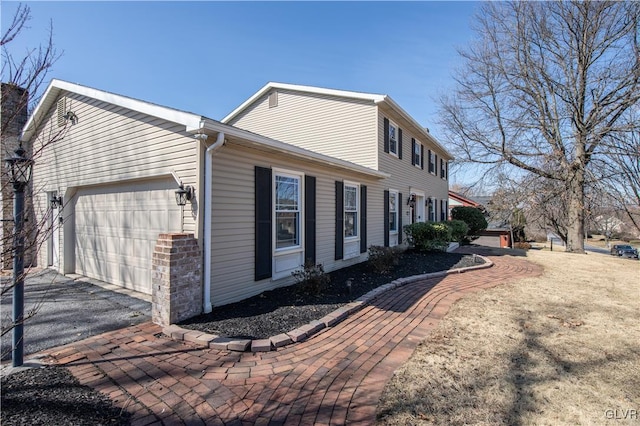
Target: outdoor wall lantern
[
  {"x": 184, "y": 194},
  {"x": 55, "y": 202},
  {"x": 20, "y": 169},
  {"x": 411, "y": 201}
]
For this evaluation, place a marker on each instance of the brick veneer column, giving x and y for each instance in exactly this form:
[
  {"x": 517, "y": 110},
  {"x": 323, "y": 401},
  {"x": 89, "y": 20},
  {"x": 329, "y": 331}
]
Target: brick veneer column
[{"x": 177, "y": 288}]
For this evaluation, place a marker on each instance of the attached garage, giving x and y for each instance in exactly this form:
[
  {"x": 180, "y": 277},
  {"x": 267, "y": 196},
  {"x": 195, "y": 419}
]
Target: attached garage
[{"x": 116, "y": 228}]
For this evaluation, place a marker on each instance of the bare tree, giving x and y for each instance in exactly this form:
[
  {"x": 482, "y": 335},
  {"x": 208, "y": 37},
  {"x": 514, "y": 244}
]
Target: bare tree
[{"x": 546, "y": 89}]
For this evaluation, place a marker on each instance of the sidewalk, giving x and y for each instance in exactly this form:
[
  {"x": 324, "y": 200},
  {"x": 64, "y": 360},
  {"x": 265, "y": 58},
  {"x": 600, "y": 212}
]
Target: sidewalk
[{"x": 335, "y": 377}]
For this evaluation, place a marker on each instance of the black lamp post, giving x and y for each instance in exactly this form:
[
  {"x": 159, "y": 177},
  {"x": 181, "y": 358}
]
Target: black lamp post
[{"x": 19, "y": 168}]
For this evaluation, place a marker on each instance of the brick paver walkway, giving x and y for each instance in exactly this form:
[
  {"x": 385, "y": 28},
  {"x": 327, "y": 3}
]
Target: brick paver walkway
[{"x": 335, "y": 377}]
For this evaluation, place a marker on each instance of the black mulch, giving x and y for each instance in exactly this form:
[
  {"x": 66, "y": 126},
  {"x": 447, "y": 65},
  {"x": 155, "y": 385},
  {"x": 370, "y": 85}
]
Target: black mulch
[
  {"x": 52, "y": 396},
  {"x": 286, "y": 308}
]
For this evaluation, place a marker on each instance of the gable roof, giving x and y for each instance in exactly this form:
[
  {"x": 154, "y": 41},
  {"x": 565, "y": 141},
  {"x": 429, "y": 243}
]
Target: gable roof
[
  {"x": 464, "y": 200},
  {"x": 56, "y": 87},
  {"x": 193, "y": 123},
  {"x": 372, "y": 97}
]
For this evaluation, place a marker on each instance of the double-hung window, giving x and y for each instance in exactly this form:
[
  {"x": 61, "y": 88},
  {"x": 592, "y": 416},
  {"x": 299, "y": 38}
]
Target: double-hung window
[
  {"x": 417, "y": 154},
  {"x": 393, "y": 138},
  {"x": 432, "y": 162},
  {"x": 351, "y": 210},
  {"x": 287, "y": 211},
  {"x": 432, "y": 212}
]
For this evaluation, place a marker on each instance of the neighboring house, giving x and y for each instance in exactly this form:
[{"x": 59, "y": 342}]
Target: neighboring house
[
  {"x": 261, "y": 207},
  {"x": 458, "y": 200}
]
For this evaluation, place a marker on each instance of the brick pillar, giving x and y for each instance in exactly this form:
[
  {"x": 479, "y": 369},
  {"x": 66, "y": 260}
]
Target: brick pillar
[{"x": 177, "y": 288}]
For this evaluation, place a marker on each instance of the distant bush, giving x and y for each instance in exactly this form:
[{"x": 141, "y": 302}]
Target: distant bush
[
  {"x": 311, "y": 278},
  {"x": 428, "y": 236},
  {"x": 472, "y": 217},
  {"x": 459, "y": 229},
  {"x": 383, "y": 259},
  {"x": 522, "y": 245}
]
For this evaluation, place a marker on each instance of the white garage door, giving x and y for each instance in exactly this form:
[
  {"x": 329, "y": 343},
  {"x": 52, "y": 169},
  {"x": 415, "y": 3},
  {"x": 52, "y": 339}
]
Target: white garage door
[{"x": 117, "y": 228}]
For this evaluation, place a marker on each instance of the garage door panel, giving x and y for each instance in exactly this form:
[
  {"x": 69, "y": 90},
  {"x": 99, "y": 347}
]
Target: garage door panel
[{"x": 117, "y": 228}]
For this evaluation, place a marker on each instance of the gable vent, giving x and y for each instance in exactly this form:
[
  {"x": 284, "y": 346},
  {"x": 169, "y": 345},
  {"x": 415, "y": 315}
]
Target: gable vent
[
  {"x": 273, "y": 99},
  {"x": 62, "y": 110}
]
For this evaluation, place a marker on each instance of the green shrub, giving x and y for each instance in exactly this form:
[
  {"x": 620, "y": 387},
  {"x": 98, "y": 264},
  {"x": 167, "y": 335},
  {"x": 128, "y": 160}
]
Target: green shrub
[
  {"x": 311, "y": 278},
  {"x": 459, "y": 230},
  {"x": 472, "y": 217},
  {"x": 428, "y": 236},
  {"x": 383, "y": 259}
]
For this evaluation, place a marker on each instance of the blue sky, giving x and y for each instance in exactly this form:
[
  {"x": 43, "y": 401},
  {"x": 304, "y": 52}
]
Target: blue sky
[{"x": 208, "y": 57}]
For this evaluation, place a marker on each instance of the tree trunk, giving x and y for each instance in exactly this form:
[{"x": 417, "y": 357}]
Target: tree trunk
[{"x": 575, "y": 226}]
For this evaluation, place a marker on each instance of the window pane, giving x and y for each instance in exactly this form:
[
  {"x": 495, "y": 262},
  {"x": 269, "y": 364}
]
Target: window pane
[
  {"x": 287, "y": 234},
  {"x": 286, "y": 193},
  {"x": 351, "y": 224},
  {"x": 392, "y": 202},
  {"x": 393, "y": 222},
  {"x": 350, "y": 198},
  {"x": 392, "y": 132}
]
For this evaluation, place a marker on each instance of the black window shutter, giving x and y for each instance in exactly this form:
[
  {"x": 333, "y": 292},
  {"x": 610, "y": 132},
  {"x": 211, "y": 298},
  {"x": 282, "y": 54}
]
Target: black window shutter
[
  {"x": 422, "y": 157},
  {"x": 413, "y": 151},
  {"x": 339, "y": 220},
  {"x": 447, "y": 172},
  {"x": 263, "y": 237},
  {"x": 399, "y": 143},
  {"x": 310, "y": 219},
  {"x": 386, "y": 218},
  {"x": 363, "y": 219},
  {"x": 430, "y": 164},
  {"x": 400, "y": 218},
  {"x": 386, "y": 135},
  {"x": 435, "y": 210},
  {"x": 435, "y": 164}
]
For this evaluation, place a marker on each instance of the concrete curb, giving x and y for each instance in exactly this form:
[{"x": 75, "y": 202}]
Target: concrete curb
[{"x": 302, "y": 333}]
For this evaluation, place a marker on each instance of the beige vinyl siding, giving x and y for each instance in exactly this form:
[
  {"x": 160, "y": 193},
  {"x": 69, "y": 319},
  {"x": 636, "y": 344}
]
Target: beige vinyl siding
[
  {"x": 109, "y": 145},
  {"x": 233, "y": 220},
  {"x": 339, "y": 127},
  {"x": 405, "y": 175}
]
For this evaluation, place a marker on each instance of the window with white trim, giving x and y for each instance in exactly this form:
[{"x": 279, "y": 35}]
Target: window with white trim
[
  {"x": 432, "y": 162},
  {"x": 351, "y": 210},
  {"x": 393, "y": 138},
  {"x": 393, "y": 212},
  {"x": 287, "y": 210},
  {"x": 417, "y": 154}
]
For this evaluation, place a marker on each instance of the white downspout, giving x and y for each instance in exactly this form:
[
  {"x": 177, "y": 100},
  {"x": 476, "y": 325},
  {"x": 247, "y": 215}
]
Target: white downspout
[{"x": 208, "y": 172}]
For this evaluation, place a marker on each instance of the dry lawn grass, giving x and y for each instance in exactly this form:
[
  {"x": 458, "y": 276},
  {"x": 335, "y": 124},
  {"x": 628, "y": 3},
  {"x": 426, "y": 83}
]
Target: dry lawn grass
[{"x": 562, "y": 348}]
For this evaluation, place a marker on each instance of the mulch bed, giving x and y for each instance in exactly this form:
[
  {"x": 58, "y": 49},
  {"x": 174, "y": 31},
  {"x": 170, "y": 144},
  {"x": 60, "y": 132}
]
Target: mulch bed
[{"x": 286, "y": 308}]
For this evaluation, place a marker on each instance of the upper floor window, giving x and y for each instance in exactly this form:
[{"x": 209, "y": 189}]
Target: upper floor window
[
  {"x": 432, "y": 162},
  {"x": 351, "y": 209},
  {"x": 417, "y": 154},
  {"x": 393, "y": 138},
  {"x": 287, "y": 210}
]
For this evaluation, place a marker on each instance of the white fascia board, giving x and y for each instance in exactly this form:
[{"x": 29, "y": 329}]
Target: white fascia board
[
  {"x": 417, "y": 125},
  {"x": 189, "y": 120},
  {"x": 292, "y": 150},
  {"x": 305, "y": 89}
]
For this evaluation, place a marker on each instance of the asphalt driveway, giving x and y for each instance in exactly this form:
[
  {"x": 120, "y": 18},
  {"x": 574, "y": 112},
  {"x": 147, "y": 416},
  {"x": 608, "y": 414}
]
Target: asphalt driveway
[{"x": 68, "y": 310}]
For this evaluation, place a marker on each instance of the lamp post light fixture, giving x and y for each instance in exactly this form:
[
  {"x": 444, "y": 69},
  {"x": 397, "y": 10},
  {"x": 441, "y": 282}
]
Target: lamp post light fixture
[{"x": 20, "y": 169}]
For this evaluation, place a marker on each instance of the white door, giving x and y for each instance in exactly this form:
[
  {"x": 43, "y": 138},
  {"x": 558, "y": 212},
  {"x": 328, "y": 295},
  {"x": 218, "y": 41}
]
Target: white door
[{"x": 116, "y": 228}]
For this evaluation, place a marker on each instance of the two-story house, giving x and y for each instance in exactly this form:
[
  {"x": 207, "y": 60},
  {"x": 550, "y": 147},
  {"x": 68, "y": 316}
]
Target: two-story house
[{"x": 326, "y": 175}]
